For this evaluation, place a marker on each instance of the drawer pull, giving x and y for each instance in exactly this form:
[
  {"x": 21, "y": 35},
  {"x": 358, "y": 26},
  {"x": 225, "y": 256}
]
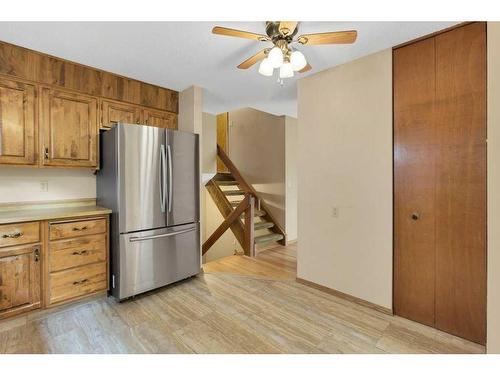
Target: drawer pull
[
  {"x": 77, "y": 229},
  {"x": 83, "y": 252},
  {"x": 80, "y": 282},
  {"x": 13, "y": 235}
]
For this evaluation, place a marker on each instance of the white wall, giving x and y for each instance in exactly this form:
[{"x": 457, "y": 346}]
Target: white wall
[
  {"x": 291, "y": 151},
  {"x": 19, "y": 184},
  {"x": 493, "y": 320},
  {"x": 209, "y": 143},
  {"x": 345, "y": 138},
  {"x": 257, "y": 149}
]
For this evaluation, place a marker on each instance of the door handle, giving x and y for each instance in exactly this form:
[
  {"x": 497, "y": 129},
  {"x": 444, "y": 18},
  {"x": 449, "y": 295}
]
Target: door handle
[
  {"x": 162, "y": 177},
  {"x": 169, "y": 158},
  {"x": 145, "y": 238},
  {"x": 37, "y": 253},
  {"x": 415, "y": 216}
]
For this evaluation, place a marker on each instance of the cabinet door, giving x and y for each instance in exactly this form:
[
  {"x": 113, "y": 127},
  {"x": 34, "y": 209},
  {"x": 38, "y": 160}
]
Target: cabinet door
[
  {"x": 69, "y": 128},
  {"x": 17, "y": 123},
  {"x": 113, "y": 112},
  {"x": 19, "y": 278},
  {"x": 160, "y": 119}
]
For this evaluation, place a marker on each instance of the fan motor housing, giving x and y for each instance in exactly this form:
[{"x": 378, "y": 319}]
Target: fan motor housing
[{"x": 272, "y": 30}]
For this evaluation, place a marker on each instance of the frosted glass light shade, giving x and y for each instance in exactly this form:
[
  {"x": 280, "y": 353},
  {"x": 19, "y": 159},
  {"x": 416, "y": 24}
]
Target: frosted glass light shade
[
  {"x": 286, "y": 70},
  {"x": 265, "y": 68},
  {"x": 297, "y": 60},
  {"x": 275, "y": 57}
]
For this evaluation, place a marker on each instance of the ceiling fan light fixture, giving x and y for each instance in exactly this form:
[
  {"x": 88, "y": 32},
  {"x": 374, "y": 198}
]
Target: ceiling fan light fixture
[
  {"x": 275, "y": 57},
  {"x": 265, "y": 68},
  {"x": 286, "y": 70},
  {"x": 298, "y": 60}
]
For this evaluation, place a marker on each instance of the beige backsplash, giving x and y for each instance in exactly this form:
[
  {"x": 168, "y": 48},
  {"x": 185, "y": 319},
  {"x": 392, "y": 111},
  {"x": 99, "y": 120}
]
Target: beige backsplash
[{"x": 22, "y": 184}]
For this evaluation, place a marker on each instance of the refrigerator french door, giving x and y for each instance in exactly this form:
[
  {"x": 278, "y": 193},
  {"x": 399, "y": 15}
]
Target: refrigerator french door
[{"x": 149, "y": 177}]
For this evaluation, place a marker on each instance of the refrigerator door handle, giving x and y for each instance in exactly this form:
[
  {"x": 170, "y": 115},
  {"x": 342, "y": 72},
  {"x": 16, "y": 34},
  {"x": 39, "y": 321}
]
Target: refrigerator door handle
[
  {"x": 145, "y": 238},
  {"x": 162, "y": 177},
  {"x": 170, "y": 185}
]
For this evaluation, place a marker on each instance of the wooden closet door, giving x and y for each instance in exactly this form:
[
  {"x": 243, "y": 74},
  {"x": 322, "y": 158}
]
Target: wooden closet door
[
  {"x": 461, "y": 182},
  {"x": 414, "y": 176}
]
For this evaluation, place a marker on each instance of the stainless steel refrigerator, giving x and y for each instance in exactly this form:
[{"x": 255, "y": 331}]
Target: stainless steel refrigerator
[{"x": 149, "y": 177}]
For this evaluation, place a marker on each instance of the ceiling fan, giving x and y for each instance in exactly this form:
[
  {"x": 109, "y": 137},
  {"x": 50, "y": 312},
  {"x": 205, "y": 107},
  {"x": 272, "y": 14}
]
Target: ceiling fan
[{"x": 282, "y": 55}]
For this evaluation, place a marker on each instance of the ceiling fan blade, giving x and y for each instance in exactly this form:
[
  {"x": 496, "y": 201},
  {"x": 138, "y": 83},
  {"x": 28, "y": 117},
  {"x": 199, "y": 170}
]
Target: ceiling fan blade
[
  {"x": 287, "y": 27},
  {"x": 253, "y": 59},
  {"x": 305, "y": 68},
  {"x": 336, "y": 37},
  {"x": 239, "y": 33}
]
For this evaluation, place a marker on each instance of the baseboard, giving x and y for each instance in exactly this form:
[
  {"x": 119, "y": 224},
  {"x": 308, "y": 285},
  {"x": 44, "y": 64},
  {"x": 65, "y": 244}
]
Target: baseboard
[{"x": 345, "y": 296}]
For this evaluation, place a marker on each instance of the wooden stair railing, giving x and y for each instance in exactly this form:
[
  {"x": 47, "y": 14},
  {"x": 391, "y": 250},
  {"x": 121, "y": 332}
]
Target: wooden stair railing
[
  {"x": 251, "y": 205},
  {"x": 246, "y": 207},
  {"x": 249, "y": 188}
]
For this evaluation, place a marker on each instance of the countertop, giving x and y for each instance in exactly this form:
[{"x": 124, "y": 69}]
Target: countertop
[{"x": 33, "y": 211}]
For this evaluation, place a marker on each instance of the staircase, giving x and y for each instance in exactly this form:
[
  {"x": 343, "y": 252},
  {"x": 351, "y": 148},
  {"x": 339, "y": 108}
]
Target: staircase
[{"x": 255, "y": 225}]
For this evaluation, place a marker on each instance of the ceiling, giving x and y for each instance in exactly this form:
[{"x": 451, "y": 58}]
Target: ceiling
[{"x": 180, "y": 54}]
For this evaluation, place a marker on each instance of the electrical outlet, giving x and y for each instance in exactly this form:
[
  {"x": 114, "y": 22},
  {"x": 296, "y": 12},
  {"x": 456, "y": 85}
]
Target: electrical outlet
[
  {"x": 44, "y": 185},
  {"x": 335, "y": 212}
]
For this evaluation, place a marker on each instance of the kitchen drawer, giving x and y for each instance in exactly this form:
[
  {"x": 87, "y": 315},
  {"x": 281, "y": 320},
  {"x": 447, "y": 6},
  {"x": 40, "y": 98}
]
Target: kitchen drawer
[
  {"x": 76, "y": 252},
  {"x": 60, "y": 230},
  {"x": 19, "y": 234},
  {"x": 77, "y": 282}
]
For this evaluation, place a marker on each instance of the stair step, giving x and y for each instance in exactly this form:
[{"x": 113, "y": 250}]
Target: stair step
[
  {"x": 263, "y": 225},
  {"x": 227, "y": 183},
  {"x": 274, "y": 237},
  {"x": 233, "y": 192},
  {"x": 257, "y": 213}
]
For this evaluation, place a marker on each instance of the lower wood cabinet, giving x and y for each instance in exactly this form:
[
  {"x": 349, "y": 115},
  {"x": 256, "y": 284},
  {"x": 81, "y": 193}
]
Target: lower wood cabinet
[
  {"x": 46, "y": 263},
  {"x": 20, "y": 268},
  {"x": 77, "y": 259}
]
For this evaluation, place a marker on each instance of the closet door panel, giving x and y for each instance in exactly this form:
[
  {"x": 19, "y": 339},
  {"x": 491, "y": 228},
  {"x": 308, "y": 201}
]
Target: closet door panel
[
  {"x": 461, "y": 182},
  {"x": 414, "y": 176}
]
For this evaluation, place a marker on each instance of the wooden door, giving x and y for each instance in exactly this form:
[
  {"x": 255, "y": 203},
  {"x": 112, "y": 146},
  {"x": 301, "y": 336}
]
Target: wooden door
[
  {"x": 440, "y": 181},
  {"x": 114, "y": 112},
  {"x": 69, "y": 128},
  {"x": 19, "y": 278},
  {"x": 160, "y": 119},
  {"x": 414, "y": 176},
  {"x": 17, "y": 122},
  {"x": 223, "y": 138},
  {"x": 461, "y": 182}
]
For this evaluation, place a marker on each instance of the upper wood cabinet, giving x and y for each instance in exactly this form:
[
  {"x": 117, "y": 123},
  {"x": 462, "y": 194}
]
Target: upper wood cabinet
[
  {"x": 160, "y": 119},
  {"x": 113, "y": 112},
  {"x": 69, "y": 128},
  {"x": 19, "y": 279},
  {"x": 17, "y": 122}
]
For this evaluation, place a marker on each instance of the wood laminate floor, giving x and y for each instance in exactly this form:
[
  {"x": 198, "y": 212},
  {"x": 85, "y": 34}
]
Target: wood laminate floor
[{"x": 258, "y": 311}]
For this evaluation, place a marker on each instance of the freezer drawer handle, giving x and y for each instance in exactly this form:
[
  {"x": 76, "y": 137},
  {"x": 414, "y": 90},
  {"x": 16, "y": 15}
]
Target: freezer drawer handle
[{"x": 136, "y": 239}]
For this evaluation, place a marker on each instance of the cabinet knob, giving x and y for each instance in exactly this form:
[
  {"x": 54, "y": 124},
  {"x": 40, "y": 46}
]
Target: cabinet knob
[{"x": 415, "y": 216}]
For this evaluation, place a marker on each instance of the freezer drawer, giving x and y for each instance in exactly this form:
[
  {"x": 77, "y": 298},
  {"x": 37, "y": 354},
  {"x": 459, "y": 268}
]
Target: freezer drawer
[{"x": 151, "y": 259}]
